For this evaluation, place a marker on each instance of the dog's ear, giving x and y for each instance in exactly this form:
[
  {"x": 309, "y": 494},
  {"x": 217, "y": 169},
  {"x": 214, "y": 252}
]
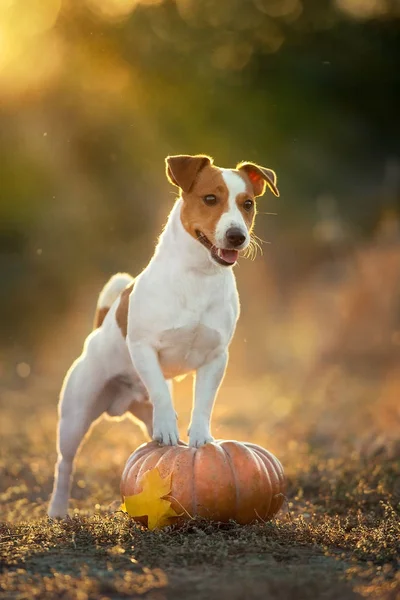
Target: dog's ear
[
  {"x": 259, "y": 177},
  {"x": 182, "y": 170}
]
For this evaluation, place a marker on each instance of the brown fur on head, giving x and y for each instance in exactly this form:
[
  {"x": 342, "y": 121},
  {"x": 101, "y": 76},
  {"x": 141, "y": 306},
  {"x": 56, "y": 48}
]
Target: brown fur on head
[
  {"x": 210, "y": 194},
  {"x": 183, "y": 169},
  {"x": 259, "y": 177}
]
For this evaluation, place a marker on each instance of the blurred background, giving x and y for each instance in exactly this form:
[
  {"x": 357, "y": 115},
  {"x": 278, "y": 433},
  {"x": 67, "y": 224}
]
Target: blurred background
[{"x": 94, "y": 94}]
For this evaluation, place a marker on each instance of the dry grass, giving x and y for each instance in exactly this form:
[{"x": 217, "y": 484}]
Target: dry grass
[
  {"x": 341, "y": 538},
  {"x": 320, "y": 389}
]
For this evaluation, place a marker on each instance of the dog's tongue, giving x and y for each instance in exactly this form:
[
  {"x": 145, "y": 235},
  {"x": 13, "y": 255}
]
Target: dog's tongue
[{"x": 229, "y": 256}]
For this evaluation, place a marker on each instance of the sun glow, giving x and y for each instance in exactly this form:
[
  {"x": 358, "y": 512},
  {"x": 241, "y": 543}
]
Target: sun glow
[
  {"x": 30, "y": 55},
  {"x": 115, "y": 10},
  {"x": 363, "y": 9}
]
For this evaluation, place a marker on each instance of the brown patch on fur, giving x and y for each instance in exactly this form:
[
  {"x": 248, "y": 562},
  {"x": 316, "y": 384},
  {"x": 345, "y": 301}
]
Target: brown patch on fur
[
  {"x": 248, "y": 215},
  {"x": 121, "y": 313},
  {"x": 196, "y": 215},
  {"x": 99, "y": 317},
  {"x": 183, "y": 170},
  {"x": 258, "y": 177}
]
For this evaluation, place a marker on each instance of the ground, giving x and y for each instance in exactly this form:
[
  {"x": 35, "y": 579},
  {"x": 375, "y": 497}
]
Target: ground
[{"x": 338, "y": 535}]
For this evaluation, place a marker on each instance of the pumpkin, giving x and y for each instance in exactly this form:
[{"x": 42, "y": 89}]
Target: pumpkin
[{"x": 220, "y": 481}]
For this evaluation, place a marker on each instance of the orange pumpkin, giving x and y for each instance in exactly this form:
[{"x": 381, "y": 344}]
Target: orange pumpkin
[{"x": 222, "y": 480}]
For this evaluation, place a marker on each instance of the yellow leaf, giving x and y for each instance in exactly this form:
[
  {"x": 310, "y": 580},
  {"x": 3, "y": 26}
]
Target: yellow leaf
[{"x": 150, "y": 501}]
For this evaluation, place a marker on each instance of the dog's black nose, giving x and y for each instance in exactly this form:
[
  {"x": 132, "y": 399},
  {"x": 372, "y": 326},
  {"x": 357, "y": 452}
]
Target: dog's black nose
[{"x": 235, "y": 236}]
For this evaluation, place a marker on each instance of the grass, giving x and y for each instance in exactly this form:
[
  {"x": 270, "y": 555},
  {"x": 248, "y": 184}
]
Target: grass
[
  {"x": 337, "y": 537},
  {"x": 109, "y": 556}
]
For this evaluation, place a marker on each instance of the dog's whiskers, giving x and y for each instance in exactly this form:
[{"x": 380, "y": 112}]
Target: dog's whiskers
[
  {"x": 251, "y": 250},
  {"x": 254, "y": 246}
]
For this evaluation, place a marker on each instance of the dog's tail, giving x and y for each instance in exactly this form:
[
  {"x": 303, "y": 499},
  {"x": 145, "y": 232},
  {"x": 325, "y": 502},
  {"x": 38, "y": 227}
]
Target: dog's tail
[{"x": 109, "y": 294}]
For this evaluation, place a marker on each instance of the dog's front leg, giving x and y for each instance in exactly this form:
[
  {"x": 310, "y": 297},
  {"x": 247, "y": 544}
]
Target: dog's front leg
[
  {"x": 208, "y": 380},
  {"x": 145, "y": 361}
]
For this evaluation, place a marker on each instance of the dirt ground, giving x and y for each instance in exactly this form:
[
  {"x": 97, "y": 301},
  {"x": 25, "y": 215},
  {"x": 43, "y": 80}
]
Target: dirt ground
[{"x": 337, "y": 537}]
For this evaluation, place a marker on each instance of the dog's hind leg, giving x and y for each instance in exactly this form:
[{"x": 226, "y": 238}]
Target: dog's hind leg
[
  {"x": 80, "y": 405},
  {"x": 142, "y": 413},
  {"x": 127, "y": 396}
]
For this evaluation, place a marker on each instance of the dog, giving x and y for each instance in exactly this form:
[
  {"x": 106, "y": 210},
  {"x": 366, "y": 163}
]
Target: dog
[{"x": 177, "y": 317}]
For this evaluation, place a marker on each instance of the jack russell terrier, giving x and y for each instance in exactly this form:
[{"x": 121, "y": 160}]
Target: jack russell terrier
[{"x": 178, "y": 316}]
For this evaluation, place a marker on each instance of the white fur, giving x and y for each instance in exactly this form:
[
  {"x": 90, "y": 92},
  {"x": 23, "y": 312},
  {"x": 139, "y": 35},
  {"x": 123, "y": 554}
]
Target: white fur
[
  {"x": 182, "y": 315},
  {"x": 113, "y": 288},
  {"x": 232, "y": 217}
]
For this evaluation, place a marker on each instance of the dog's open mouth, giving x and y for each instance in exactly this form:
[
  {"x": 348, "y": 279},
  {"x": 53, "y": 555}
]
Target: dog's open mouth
[{"x": 223, "y": 256}]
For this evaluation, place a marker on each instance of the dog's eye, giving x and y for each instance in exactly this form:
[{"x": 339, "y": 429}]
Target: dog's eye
[
  {"x": 210, "y": 200},
  {"x": 248, "y": 204}
]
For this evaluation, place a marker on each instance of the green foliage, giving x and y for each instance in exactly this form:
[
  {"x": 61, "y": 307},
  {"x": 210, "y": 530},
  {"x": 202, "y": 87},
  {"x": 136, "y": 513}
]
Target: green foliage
[{"x": 95, "y": 94}]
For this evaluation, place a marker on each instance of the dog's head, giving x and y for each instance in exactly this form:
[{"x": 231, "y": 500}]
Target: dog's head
[{"x": 219, "y": 205}]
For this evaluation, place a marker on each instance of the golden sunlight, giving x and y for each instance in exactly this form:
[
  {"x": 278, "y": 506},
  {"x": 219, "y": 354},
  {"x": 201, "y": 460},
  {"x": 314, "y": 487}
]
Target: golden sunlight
[
  {"x": 280, "y": 8},
  {"x": 24, "y": 20},
  {"x": 117, "y": 9},
  {"x": 363, "y": 9},
  {"x": 30, "y": 52},
  {"x": 32, "y": 69}
]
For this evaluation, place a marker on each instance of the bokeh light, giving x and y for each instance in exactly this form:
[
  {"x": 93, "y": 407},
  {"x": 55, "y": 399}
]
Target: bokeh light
[
  {"x": 363, "y": 9},
  {"x": 115, "y": 10},
  {"x": 30, "y": 52}
]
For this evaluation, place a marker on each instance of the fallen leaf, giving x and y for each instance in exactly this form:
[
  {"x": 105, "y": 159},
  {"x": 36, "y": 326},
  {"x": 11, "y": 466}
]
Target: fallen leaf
[{"x": 150, "y": 501}]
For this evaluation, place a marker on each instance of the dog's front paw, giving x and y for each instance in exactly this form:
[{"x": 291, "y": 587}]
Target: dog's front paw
[
  {"x": 58, "y": 511},
  {"x": 165, "y": 429},
  {"x": 199, "y": 435}
]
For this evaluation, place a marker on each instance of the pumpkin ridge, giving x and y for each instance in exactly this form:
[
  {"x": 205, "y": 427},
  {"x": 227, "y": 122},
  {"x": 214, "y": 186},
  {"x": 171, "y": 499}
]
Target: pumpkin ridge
[
  {"x": 136, "y": 457},
  {"x": 277, "y": 500},
  {"x": 272, "y": 459},
  {"x": 279, "y": 470},
  {"x": 229, "y": 461},
  {"x": 164, "y": 455},
  {"x": 147, "y": 458},
  {"x": 277, "y": 487},
  {"x": 194, "y": 494},
  {"x": 171, "y": 464},
  {"x": 276, "y": 462},
  {"x": 136, "y": 464},
  {"x": 141, "y": 451},
  {"x": 268, "y": 479}
]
